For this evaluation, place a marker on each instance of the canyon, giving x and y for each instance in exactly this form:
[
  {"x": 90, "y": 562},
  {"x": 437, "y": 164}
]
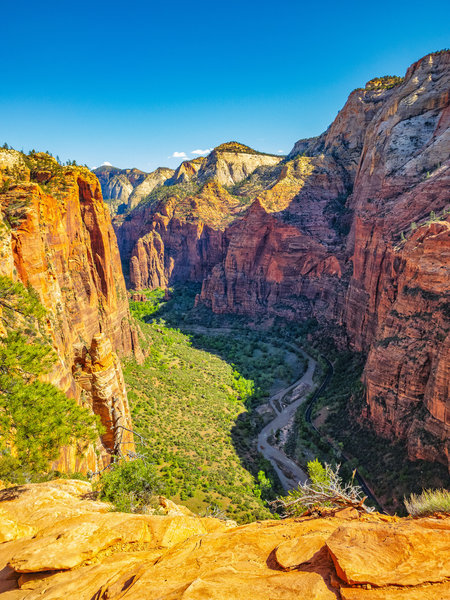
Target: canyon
[{"x": 351, "y": 228}]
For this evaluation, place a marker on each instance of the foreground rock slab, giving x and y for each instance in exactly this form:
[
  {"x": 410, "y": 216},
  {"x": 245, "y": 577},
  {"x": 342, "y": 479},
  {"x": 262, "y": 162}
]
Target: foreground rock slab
[
  {"x": 88, "y": 552},
  {"x": 409, "y": 553}
]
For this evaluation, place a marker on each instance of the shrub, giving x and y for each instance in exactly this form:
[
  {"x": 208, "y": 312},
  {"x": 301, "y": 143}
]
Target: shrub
[
  {"x": 428, "y": 502},
  {"x": 325, "y": 489},
  {"x": 130, "y": 486}
]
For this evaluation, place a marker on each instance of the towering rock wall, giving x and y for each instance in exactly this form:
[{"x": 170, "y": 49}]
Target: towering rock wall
[
  {"x": 176, "y": 233},
  {"x": 56, "y": 235},
  {"x": 398, "y": 297},
  {"x": 123, "y": 189}
]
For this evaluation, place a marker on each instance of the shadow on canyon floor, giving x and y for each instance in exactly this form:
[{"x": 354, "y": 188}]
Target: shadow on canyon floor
[{"x": 256, "y": 349}]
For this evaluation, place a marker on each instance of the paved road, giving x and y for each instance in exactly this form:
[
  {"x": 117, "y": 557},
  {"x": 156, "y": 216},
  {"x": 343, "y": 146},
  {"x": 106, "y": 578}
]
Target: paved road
[{"x": 288, "y": 471}]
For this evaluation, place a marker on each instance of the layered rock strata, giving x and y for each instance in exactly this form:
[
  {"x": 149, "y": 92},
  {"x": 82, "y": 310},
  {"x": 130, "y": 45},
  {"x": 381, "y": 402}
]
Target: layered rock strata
[
  {"x": 88, "y": 552},
  {"x": 123, "y": 189},
  {"x": 56, "y": 235},
  {"x": 384, "y": 274}
]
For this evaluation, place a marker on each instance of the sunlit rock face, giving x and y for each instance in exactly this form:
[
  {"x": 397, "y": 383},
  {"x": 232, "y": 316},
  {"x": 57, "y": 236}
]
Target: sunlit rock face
[
  {"x": 123, "y": 189},
  {"x": 64, "y": 246},
  {"x": 59, "y": 544}
]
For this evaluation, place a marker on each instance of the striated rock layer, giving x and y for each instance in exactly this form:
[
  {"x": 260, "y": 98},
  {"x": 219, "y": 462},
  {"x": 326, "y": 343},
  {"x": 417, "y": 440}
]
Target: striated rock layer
[
  {"x": 123, "y": 189},
  {"x": 176, "y": 234},
  {"x": 88, "y": 552},
  {"x": 56, "y": 235}
]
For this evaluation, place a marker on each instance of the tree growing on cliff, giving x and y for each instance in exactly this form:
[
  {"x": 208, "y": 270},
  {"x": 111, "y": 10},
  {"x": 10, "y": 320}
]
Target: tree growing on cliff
[{"x": 36, "y": 418}]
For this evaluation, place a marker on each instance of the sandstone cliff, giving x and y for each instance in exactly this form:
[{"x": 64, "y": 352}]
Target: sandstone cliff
[
  {"x": 123, "y": 189},
  {"x": 175, "y": 234},
  {"x": 366, "y": 248},
  {"x": 88, "y": 552},
  {"x": 56, "y": 236}
]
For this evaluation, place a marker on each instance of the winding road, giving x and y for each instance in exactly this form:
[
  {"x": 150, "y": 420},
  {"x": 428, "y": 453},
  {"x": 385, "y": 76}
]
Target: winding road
[{"x": 289, "y": 473}]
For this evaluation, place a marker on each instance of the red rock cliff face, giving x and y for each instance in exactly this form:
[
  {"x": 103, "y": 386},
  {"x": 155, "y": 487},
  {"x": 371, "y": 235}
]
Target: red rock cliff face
[
  {"x": 397, "y": 301},
  {"x": 63, "y": 245}
]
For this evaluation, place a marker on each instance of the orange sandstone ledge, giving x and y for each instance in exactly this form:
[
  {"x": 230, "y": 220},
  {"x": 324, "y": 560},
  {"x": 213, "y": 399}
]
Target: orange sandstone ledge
[{"x": 58, "y": 543}]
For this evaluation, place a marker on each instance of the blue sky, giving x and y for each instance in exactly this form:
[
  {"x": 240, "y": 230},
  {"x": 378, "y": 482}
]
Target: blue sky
[{"x": 133, "y": 83}]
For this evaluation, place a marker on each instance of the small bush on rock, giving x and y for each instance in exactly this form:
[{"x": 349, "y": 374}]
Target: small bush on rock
[
  {"x": 325, "y": 489},
  {"x": 130, "y": 486},
  {"x": 428, "y": 503}
]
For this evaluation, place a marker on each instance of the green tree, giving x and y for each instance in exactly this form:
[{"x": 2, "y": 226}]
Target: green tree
[
  {"x": 36, "y": 418},
  {"x": 130, "y": 485}
]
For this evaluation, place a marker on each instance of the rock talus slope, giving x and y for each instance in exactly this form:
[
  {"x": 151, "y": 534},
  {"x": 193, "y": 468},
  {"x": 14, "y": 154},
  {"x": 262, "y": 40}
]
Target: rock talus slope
[
  {"x": 56, "y": 235},
  {"x": 88, "y": 552}
]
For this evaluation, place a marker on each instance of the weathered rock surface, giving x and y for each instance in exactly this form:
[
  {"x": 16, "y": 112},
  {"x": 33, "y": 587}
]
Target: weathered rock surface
[
  {"x": 98, "y": 554},
  {"x": 179, "y": 236},
  {"x": 123, "y": 189},
  {"x": 56, "y": 235},
  {"x": 118, "y": 184},
  {"x": 389, "y": 554}
]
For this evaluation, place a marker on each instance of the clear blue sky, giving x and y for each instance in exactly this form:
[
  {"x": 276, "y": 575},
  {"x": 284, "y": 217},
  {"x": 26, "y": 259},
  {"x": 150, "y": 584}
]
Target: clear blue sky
[{"x": 134, "y": 82}]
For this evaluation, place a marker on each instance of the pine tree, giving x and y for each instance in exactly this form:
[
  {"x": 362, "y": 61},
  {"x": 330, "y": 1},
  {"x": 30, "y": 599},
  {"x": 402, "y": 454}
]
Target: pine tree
[{"x": 36, "y": 418}]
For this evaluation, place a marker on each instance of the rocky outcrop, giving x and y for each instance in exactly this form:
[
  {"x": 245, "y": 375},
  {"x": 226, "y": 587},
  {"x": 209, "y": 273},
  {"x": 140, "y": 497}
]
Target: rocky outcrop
[
  {"x": 287, "y": 262},
  {"x": 397, "y": 301},
  {"x": 151, "y": 181},
  {"x": 231, "y": 163},
  {"x": 56, "y": 235},
  {"x": 117, "y": 185},
  {"x": 88, "y": 552},
  {"x": 123, "y": 189},
  {"x": 175, "y": 235}
]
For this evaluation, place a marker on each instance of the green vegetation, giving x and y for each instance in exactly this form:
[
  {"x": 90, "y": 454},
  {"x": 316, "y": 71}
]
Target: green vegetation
[
  {"x": 196, "y": 398},
  {"x": 324, "y": 490},
  {"x": 384, "y": 83},
  {"x": 179, "y": 191},
  {"x": 196, "y": 411},
  {"x": 130, "y": 486},
  {"x": 36, "y": 418},
  {"x": 384, "y": 464},
  {"x": 428, "y": 503}
]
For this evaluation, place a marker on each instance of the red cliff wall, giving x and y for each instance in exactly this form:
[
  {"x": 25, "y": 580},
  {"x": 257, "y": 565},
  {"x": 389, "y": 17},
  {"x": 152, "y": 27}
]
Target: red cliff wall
[
  {"x": 65, "y": 247},
  {"x": 387, "y": 282}
]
